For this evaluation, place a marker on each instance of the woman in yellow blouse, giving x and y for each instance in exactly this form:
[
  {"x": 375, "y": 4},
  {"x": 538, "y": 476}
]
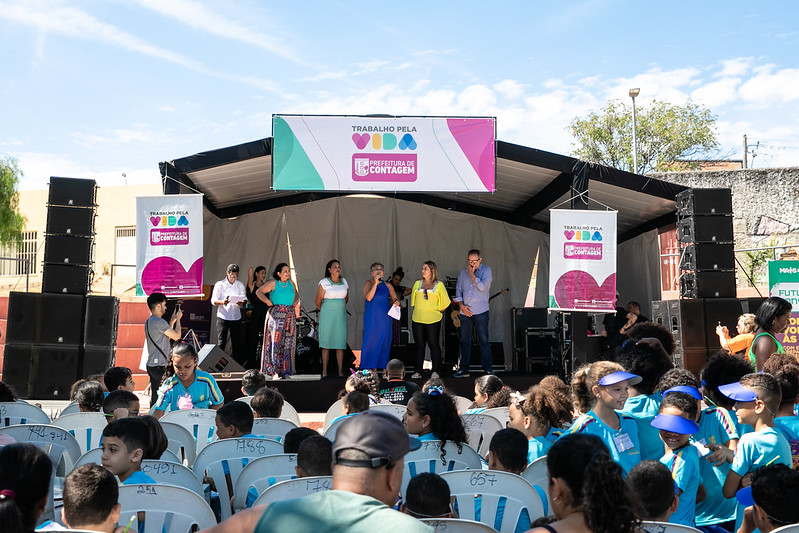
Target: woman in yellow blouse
[{"x": 429, "y": 299}]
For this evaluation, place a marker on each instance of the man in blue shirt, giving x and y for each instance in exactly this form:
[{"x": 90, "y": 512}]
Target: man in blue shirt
[{"x": 472, "y": 295}]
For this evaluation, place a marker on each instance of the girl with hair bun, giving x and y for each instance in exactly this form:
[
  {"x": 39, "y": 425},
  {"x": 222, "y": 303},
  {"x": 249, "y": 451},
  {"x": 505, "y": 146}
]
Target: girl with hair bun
[
  {"x": 25, "y": 472},
  {"x": 489, "y": 392},
  {"x": 537, "y": 414},
  {"x": 586, "y": 489},
  {"x": 600, "y": 389}
]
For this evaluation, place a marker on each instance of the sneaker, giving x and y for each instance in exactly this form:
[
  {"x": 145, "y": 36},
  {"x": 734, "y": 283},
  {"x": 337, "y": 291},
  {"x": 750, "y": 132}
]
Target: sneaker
[
  {"x": 489, "y": 373},
  {"x": 460, "y": 374},
  {"x": 434, "y": 375},
  {"x": 275, "y": 377},
  {"x": 416, "y": 375}
]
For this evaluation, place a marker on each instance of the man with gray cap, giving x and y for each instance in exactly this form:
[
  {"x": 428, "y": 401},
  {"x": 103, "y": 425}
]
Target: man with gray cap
[
  {"x": 228, "y": 296},
  {"x": 368, "y": 459}
]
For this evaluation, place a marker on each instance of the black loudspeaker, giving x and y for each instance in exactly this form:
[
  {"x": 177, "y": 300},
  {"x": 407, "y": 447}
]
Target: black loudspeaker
[
  {"x": 523, "y": 318},
  {"x": 708, "y": 256},
  {"x": 39, "y": 318},
  {"x": 705, "y": 228},
  {"x": 65, "y": 279},
  {"x": 41, "y": 371},
  {"x": 660, "y": 313},
  {"x": 214, "y": 360},
  {"x": 70, "y": 221},
  {"x": 17, "y": 368},
  {"x": 687, "y": 325},
  {"x": 708, "y": 284},
  {"x": 96, "y": 360},
  {"x": 72, "y": 192},
  {"x": 704, "y": 202},
  {"x": 102, "y": 318},
  {"x": 68, "y": 250}
]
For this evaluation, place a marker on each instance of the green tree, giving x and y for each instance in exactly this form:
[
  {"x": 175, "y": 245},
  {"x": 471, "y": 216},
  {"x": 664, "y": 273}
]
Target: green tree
[
  {"x": 11, "y": 221},
  {"x": 669, "y": 136}
]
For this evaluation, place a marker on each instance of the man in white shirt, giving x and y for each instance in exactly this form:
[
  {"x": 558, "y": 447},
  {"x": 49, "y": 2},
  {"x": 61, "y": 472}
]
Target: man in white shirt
[{"x": 228, "y": 297}]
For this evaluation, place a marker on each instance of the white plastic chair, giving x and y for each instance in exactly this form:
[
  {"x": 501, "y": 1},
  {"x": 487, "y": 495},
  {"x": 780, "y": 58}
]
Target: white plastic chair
[
  {"x": 330, "y": 432},
  {"x": 56, "y": 442},
  {"x": 462, "y": 403},
  {"x": 272, "y": 428},
  {"x": 171, "y": 473},
  {"x": 180, "y": 439},
  {"x": 393, "y": 408},
  {"x": 428, "y": 459},
  {"x": 13, "y": 413},
  {"x": 791, "y": 528},
  {"x": 94, "y": 456},
  {"x": 500, "y": 413},
  {"x": 494, "y": 490},
  {"x": 71, "y": 408},
  {"x": 294, "y": 488},
  {"x": 262, "y": 473},
  {"x": 165, "y": 507},
  {"x": 201, "y": 423},
  {"x": 87, "y": 428},
  {"x": 288, "y": 413},
  {"x": 479, "y": 430},
  {"x": 457, "y": 525},
  {"x": 333, "y": 412},
  {"x": 665, "y": 527},
  {"x": 225, "y": 459},
  {"x": 536, "y": 473}
]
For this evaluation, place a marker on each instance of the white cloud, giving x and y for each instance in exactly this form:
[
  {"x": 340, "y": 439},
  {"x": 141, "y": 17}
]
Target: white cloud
[
  {"x": 717, "y": 93},
  {"x": 734, "y": 67},
  {"x": 769, "y": 84},
  {"x": 509, "y": 88}
]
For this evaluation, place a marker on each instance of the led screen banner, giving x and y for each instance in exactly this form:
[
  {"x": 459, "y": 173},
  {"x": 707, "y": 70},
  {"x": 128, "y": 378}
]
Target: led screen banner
[
  {"x": 169, "y": 245},
  {"x": 783, "y": 281},
  {"x": 582, "y": 260},
  {"x": 350, "y": 153}
]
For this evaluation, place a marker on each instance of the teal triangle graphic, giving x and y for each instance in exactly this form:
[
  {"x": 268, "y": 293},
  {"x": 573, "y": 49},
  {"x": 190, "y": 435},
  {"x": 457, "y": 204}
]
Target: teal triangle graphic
[{"x": 291, "y": 166}]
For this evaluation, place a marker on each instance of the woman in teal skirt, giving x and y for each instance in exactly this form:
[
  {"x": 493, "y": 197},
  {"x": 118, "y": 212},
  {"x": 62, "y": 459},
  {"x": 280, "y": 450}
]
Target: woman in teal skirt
[{"x": 331, "y": 300}]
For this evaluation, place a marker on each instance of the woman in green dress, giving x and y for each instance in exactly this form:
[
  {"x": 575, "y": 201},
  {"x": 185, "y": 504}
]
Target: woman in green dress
[{"x": 331, "y": 300}]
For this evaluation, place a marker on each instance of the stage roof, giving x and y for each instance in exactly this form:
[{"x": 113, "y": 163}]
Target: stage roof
[{"x": 238, "y": 179}]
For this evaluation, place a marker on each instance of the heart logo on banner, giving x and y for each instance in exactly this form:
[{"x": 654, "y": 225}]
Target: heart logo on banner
[
  {"x": 580, "y": 285},
  {"x": 361, "y": 140},
  {"x": 168, "y": 271},
  {"x": 155, "y": 220},
  {"x": 568, "y": 234}
]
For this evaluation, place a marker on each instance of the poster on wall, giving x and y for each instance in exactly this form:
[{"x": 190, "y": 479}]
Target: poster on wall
[
  {"x": 582, "y": 260},
  {"x": 352, "y": 153},
  {"x": 169, "y": 245},
  {"x": 783, "y": 281}
]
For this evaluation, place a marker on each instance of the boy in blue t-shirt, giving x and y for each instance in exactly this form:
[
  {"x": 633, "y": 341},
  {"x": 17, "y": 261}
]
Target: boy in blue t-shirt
[
  {"x": 676, "y": 422},
  {"x": 125, "y": 442},
  {"x": 785, "y": 368},
  {"x": 757, "y": 398}
]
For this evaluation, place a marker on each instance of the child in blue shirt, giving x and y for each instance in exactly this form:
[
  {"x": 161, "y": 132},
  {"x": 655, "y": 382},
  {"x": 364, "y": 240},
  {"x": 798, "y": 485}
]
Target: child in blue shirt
[
  {"x": 535, "y": 414},
  {"x": 125, "y": 442},
  {"x": 599, "y": 389},
  {"x": 676, "y": 423},
  {"x": 785, "y": 368},
  {"x": 184, "y": 385}
]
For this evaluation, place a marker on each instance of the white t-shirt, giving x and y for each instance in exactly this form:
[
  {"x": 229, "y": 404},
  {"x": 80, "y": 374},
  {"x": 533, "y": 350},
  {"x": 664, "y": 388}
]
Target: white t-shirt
[{"x": 223, "y": 289}]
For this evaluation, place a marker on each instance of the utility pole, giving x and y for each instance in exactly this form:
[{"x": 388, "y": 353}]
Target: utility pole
[{"x": 746, "y": 149}]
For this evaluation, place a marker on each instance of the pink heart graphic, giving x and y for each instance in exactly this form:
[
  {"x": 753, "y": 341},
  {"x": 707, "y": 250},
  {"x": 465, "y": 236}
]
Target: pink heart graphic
[
  {"x": 166, "y": 274},
  {"x": 155, "y": 220},
  {"x": 579, "y": 285},
  {"x": 361, "y": 140},
  {"x": 568, "y": 234}
]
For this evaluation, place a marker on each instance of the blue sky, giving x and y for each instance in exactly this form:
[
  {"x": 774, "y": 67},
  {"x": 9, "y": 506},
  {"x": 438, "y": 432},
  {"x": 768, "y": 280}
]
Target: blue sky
[{"x": 101, "y": 88}]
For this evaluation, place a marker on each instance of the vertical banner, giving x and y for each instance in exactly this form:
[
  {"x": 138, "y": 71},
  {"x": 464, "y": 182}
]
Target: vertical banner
[
  {"x": 582, "y": 260},
  {"x": 169, "y": 245},
  {"x": 783, "y": 281}
]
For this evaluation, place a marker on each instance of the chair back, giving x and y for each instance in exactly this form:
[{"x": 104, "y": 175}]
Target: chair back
[
  {"x": 462, "y": 403},
  {"x": 171, "y": 473},
  {"x": 87, "y": 428},
  {"x": 13, "y": 413},
  {"x": 201, "y": 423},
  {"x": 224, "y": 460},
  {"x": 666, "y": 527},
  {"x": 479, "y": 430},
  {"x": 457, "y": 525},
  {"x": 290, "y": 413},
  {"x": 262, "y": 473},
  {"x": 500, "y": 413},
  {"x": 498, "y": 498},
  {"x": 294, "y": 488},
  {"x": 395, "y": 409},
  {"x": 536, "y": 473},
  {"x": 165, "y": 507},
  {"x": 428, "y": 459},
  {"x": 181, "y": 441},
  {"x": 272, "y": 428},
  {"x": 333, "y": 412},
  {"x": 71, "y": 408},
  {"x": 330, "y": 432}
]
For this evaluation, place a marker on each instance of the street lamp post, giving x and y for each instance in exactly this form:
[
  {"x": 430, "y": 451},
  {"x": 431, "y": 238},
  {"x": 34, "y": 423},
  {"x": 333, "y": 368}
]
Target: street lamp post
[{"x": 633, "y": 94}]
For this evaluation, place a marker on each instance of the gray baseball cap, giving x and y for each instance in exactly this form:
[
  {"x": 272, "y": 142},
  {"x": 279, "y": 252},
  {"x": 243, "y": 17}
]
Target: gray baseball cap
[{"x": 379, "y": 435}]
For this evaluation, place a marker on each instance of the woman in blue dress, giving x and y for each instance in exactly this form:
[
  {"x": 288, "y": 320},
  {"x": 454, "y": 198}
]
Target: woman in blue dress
[
  {"x": 331, "y": 300},
  {"x": 380, "y": 297}
]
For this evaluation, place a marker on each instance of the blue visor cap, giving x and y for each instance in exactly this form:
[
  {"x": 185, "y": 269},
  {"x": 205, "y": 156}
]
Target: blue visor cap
[
  {"x": 744, "y": 497},
  {"x": 675, "y": 424},
  {"x": 693, "y": 391},
  {"x": 739, "y": 393},
  {"x": 616, "y": 377}
]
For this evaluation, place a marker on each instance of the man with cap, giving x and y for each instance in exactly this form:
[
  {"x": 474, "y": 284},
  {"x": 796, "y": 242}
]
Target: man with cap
[
  {"x": 228, "y": 296},
  {"x": 771, "y": 499},
  {"x": 368, "y": 460}
]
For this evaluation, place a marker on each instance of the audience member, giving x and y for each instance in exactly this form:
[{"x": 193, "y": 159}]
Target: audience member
[
  {"x": 539, "y": 415},
  {"x": 158, "y": 441},
  {"x": 252, "y": 380},
  {"x": 91, "y": 499},
  {"x": 772, "y": 318},
  {"x": 746, "y": 334},
  {"x": 295, "y": 437},
  {"x": 315, "y": 457},
  {"x": 432, "y": 416},
  {"x": 677, "y": 377},
  {"x": 785, "y": 368},
  {"x": 7, "y": 393},
  {"x": 119, "y": 377},
  {"x": 489, "y": 392},
  {"x": 394, "y": 388},
  {"x": 185, "y": 386},
  {"x": 120, "y": 403},
  {"x": 653, "y": 331},
  {"x": 771, "y": 499},
  {"x": 234, "y": 420},
  {"x": 507, "y": 451},
  {"x": 125, "y": 441},
  {"x": 720, "y": 370},
  {"x": 90, "y": 396},
  {"x": 354, "y": 402},
  {"x": 25, "y": 472},
  {"x": 651, "y": 486},
  {"x": 267, "y": 403},
  {"x": 427, "y": 496}
]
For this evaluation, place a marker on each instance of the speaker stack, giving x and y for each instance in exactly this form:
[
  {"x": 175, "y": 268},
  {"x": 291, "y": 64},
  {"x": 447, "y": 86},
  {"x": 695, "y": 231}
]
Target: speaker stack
[{"x": 61, "y": 334}]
